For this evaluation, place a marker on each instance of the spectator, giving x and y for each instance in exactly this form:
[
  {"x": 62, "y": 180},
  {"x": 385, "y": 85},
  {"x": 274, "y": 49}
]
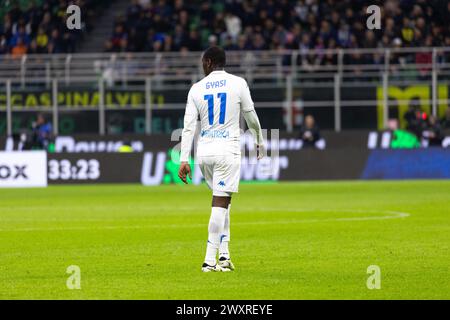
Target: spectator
[
  {"x": 42, "y": 132},
  {"x": 19, "y": 49},
  {"x": 229, "y": 45},
  {"x": 433, "y": 132},
  {"x": 415, "y": 120},
  {"x": 407, "y": 31},
  {"x": 309, "y": 132},
  {"x": 233, "y": 24},
  {"x": 243, "y": 43},
  {"x": 3, "y": 45},
  {"x": 343, "y": 34},
  {"x": 446, "y": 119},
  {"x": 193, "y": 42},
  {"x": 117, "y": 37},
  {"x": 56, "y": 42},
  {"x": 369, "y": 40},
  {"x": 20, "y": 34},
  {"x": 41, "y": 39},
  {"x": 424, "y": 60},
  {"x": 33, "y": 48},
  {"x": 179, "y": 38}
]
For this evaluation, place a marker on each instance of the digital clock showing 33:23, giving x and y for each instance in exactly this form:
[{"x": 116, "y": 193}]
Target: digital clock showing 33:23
[{"x": 82, "y": 169}]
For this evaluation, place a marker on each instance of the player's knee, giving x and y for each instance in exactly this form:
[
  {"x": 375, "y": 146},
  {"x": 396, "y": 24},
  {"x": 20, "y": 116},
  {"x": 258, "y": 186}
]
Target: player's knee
[{"x": 220, "y": 201}]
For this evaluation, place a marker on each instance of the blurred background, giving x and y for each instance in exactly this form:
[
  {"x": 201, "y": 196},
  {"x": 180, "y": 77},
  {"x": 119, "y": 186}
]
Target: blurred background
[{"x": 345, "y": 98}]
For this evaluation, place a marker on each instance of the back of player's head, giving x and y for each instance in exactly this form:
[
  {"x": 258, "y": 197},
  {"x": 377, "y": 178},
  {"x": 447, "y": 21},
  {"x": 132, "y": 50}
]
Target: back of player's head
[{"x": 216, "y": 55}]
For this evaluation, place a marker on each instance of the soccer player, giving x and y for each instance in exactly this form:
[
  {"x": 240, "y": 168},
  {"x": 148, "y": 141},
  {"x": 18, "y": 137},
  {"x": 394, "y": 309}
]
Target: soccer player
[{"x": 218, "y": 99}]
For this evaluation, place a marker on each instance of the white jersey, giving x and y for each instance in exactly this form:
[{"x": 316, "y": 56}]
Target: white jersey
[{"x": 218, "y": 100}]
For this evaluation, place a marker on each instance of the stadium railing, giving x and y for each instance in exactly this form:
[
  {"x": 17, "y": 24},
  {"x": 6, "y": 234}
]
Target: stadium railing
[{"x": 289, "y": 71}]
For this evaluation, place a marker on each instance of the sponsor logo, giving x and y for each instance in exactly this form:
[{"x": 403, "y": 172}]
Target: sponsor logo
[
  {"x": 215, "y": 134},
  {"x": 12, "y": 172},
  {"x": 23, "y": 169},
  {"x": 69, "y": 144},
  {"x": 162, "y": 168}
]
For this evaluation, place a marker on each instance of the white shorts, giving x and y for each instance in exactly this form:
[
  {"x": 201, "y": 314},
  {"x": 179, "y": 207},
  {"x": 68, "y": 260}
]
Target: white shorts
[{"x": 221, "y": 173}]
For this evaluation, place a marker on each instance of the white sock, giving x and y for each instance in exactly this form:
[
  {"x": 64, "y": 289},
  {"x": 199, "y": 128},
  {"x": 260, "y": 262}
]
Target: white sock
[
  {"x": 215, "y": 229},
  {"x": 225, "y": 238}
]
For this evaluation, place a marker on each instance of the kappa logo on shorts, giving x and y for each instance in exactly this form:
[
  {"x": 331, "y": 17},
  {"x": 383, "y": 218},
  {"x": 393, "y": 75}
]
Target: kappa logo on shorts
[{"x": 221, "y": 183}]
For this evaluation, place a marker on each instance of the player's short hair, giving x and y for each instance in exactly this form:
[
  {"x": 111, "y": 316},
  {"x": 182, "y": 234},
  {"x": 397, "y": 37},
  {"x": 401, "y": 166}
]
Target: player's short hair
[{"x": 216, "y": 55}]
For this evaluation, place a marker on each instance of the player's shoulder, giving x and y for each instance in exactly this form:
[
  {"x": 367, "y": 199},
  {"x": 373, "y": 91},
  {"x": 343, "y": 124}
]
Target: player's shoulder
[
  {"x": 236, "y": 80},
  {"x": 199, "y": 84},
  {"x": 195, "y": 87}
]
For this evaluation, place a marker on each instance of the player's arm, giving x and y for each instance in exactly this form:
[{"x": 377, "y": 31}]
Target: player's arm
[
  {"x": 190, "y": 124},
  {"x": 251, "y": 118}
]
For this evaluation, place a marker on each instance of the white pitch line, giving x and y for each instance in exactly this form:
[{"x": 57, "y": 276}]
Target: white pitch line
[{"x": 386, "y": 214}]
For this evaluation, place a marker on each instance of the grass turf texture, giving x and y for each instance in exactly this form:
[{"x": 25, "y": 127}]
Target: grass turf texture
[{"x": 289, "y": 241}]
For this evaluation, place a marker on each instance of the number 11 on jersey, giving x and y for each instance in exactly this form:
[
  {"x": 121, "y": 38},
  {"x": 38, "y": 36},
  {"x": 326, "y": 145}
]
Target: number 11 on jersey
[{"x": 223, "y": 104}]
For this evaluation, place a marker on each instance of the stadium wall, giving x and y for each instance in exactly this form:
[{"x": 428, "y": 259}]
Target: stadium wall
[
  {"x": 157, "y": 167},
  {"x": 359, "y": 139},
  {"x": 350, "y": 155},
  {"x": 19, "y": 169}
]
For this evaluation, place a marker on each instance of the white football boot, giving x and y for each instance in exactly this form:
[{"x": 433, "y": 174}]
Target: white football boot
[
  {"x": 226, "y": 264},
  {"x": 215, "y": 268}
]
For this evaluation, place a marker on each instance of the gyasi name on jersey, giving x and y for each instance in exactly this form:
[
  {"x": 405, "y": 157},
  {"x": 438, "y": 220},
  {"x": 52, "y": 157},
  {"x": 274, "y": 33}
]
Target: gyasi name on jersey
[{"x": 216, "y": 84}]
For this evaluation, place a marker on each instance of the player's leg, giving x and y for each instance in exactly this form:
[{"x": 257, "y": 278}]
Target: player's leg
[
  {"x": 225, "y": 181},
  {"x": 224, "y": 253},
  {"x": 231, "y": 169},
  {"x": 225, "y": 238},
  {"x": 220, "y": 203},
  {"x": 216, "y": 221}
]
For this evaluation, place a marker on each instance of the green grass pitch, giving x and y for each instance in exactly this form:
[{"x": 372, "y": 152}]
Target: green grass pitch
[{"x": 288, "y": 241}]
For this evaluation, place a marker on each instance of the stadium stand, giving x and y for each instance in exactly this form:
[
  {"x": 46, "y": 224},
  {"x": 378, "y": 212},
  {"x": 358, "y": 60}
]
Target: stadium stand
[
  {"x": 262, "y": 25},
  {"x": 39, "y": 26},
  {"x": 161, "y": 26},
  {"x": 153, "y": 26},
  {"x": 312, "y": 53}
]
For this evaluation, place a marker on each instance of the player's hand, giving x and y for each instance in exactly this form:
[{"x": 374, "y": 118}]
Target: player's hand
[
  {"x": 260, "y": 151},
  {"x": 185, "y": 170}
]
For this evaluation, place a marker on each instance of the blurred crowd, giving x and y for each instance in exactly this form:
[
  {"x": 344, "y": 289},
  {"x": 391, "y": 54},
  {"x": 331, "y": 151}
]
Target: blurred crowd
[
  {"x": 180, "y": 25},
  {"x": 426, "y": 126},
  {"x": 39, "y": 26},
  {"x": 162, "y": 25}
]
